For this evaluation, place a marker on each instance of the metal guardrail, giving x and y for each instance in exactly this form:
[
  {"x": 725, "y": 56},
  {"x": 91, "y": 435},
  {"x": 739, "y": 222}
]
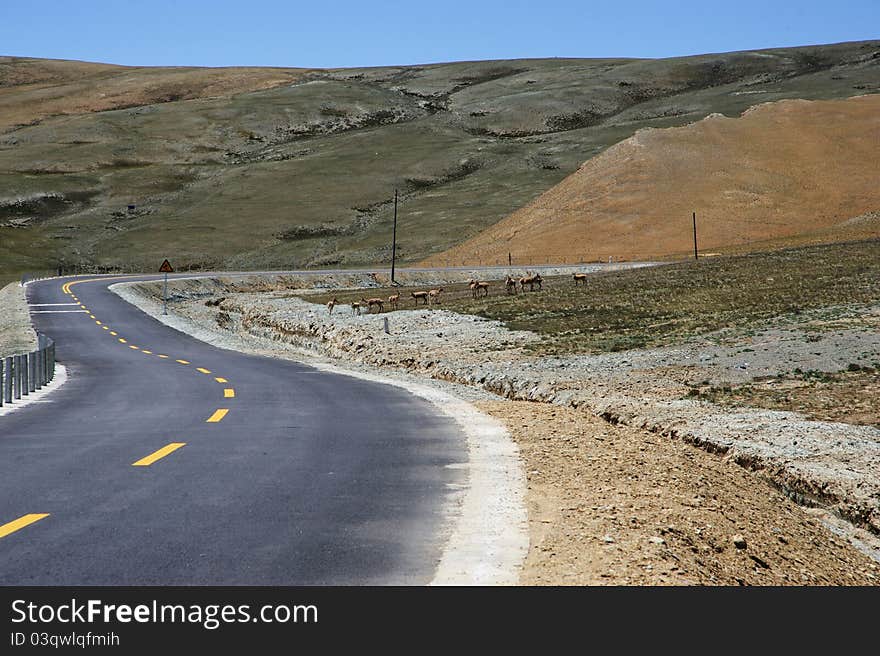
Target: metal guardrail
[{"x": 25, "y": 373}]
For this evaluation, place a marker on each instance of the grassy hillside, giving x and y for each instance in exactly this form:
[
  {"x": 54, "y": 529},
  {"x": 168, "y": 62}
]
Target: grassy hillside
[{"x": 235, "y": 168}]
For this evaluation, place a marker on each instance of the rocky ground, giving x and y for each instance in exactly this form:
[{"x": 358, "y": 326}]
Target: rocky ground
[
  {"x": 614, "y": 505},
  {"x": 833, "y": 466}
]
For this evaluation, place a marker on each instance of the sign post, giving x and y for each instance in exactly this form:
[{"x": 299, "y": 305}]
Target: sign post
[{"x": 166, "y": 269}]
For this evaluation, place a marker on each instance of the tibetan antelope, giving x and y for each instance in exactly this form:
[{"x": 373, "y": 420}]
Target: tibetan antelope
[
  {"x": 531, "y": 280},
  {"x": 510, "y": 285},
  {"x": 356, "y": 308},
  {"x": 434, "y": 295},
  {"x": 477, "y": 286},
  {"x": 580, "y": 277},
  {"x": 370, "y": 302},
  {"x": 392, "y": 300},
  {"x": 331, "y": 304},
  {"x": 419, "y": 295}
]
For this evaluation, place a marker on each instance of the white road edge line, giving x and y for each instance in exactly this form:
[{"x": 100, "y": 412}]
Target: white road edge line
[
  {"x": 490, "y": 539},
  {"x": 58, "y": 311}
]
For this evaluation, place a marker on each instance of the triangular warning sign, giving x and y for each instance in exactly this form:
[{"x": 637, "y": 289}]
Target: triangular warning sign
[{"x": 166, "y": 267}]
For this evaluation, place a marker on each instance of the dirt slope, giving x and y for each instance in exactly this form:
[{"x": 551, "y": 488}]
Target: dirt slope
[{"x": 784, "y": 172}]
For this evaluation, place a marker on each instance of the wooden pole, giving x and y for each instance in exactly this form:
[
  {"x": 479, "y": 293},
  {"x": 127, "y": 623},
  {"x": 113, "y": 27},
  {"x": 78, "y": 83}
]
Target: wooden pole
[{"x": 394, "y": 238}]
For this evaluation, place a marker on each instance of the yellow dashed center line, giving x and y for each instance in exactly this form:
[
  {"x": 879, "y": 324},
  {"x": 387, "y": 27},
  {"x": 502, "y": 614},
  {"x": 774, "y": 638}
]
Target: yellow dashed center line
[
  {"x": 217, "y": 416},
  {"x": 20, "y": 523},
  {"x": 156, "y": 455}
]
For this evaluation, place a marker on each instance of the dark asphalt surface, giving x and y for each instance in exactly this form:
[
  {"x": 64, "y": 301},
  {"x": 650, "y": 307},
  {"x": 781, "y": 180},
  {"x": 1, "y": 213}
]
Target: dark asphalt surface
[{"x": 310, "y": 479}]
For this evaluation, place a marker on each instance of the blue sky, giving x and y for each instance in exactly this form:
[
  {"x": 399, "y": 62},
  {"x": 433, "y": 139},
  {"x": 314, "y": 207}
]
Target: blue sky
[{"x": 343, "y": 33}]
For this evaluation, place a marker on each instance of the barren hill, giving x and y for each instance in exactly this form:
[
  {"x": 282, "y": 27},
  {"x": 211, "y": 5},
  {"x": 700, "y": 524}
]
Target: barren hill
[
  {"x": 106, "y": 166},
  {"x": 792, "y": 171}
]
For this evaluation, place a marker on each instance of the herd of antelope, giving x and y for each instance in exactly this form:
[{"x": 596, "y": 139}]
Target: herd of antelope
[{"x": 432, "y": 296}]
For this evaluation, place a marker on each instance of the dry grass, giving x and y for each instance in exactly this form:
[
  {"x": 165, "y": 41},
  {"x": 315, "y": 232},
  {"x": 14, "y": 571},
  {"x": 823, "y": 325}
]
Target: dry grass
[
  {"x": 661, "y": 305},
  {"x": 847, "y": 396}
]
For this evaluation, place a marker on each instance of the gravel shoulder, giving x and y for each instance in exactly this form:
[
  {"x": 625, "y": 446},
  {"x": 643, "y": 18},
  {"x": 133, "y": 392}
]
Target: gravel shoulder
[
  {"x": 16, "y": 331},
  {"x": 779, "y": 457},
  {"x": 615, "y": 505}
]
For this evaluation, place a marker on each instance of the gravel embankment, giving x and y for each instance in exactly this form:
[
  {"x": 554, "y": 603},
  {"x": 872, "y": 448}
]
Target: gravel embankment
[
  {"x": 828, "y": 464},
  {"x": 16, "y": 331}
]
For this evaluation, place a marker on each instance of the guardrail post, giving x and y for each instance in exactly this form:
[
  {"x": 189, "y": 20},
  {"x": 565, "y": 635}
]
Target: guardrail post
[
  {"x": 14, "y": 383},
  {"x": 32, "y": 372},
  {"x": 16, "y": 373},
  {"x": 52, "y": 361},
  {"x": 23, "y": 362},
  {"x": 3, "y": 378},
  {"x": 39, "y": 370}
]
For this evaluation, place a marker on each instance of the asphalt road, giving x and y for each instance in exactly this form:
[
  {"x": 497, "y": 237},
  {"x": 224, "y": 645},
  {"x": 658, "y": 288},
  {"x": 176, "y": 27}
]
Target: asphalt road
[{"x": 309, "y": 478}]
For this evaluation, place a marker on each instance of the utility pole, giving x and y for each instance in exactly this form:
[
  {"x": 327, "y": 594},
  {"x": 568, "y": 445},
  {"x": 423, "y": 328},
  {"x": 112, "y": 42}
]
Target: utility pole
[
  {"x": 394, "y": 238},
  {"x": 696, "y": 256}
]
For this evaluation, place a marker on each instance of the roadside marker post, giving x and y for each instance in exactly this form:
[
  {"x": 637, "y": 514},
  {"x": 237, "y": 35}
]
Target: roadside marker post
[{"x": 166, "y": 268}]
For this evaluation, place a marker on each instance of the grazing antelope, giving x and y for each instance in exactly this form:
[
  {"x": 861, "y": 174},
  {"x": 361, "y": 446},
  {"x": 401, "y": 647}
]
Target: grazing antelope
[
  {"x": 531, "y": 280},
  {"x": 392, "y": 300},
  {"x": 370, "y": 302},
  {"x": 356, "y": 308},
  {"x": 510, "y": 284},
  {"x": 331, "y": 304},
  {"x": 580, "y": 277},
  {"x": 419, "y": 295},
  {"x": 434, "y": 295},
  {"x": 477, "y": 286}
]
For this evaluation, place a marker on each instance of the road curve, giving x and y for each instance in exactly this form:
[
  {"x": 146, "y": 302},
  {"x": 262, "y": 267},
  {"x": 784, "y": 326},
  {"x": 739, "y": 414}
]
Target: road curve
[{"x": 211, "y": 467}]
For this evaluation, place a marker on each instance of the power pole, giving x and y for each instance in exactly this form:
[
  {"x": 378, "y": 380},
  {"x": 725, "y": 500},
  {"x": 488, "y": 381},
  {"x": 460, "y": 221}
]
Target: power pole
[
  {"x": 696, "y": 256},
  {"x": 394, "y": 238}
]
